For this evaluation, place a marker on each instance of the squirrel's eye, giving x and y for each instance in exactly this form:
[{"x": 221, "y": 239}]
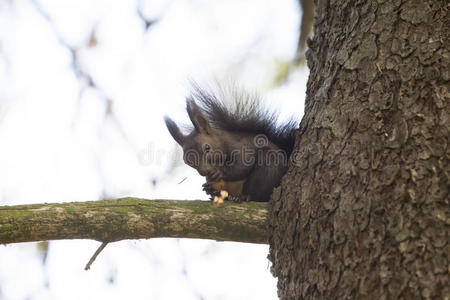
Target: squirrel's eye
[{"x": 207, "y": 148}]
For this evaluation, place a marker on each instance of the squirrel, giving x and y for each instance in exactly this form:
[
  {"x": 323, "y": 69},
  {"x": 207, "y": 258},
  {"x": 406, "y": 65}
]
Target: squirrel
[{"x": 238, "y": 148}]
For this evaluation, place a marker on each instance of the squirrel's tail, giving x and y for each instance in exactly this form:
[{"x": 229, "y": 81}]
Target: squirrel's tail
[
  {"x": 284, "y": 136},
  {"x": 244, "y": 112}
]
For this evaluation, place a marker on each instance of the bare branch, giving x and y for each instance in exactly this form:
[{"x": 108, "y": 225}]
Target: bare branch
[
  {"x": 133, "y": 218},
  {"x": 306, "y": 25}
]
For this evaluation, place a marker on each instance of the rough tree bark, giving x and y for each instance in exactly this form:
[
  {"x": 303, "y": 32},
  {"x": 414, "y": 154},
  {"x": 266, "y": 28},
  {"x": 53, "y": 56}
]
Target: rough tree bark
[{"x": 363, "y": 212}]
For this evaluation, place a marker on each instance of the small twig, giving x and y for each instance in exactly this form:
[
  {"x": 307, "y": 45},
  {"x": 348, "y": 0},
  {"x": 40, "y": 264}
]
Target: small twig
[
  {"x": 182, "y": 180},
  {"x": 102, "y": 246}
]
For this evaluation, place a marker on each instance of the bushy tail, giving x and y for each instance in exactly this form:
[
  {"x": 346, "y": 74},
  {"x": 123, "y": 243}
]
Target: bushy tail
[{"x": 245, "y": 113}]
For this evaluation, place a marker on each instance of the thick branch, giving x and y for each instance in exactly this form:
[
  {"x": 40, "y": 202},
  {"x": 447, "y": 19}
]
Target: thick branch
[{"x": 133, "y": 218}]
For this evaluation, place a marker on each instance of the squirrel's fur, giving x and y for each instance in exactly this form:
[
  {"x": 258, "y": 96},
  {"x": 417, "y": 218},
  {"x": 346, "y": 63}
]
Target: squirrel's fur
[
  {"x": 247, "y": 115},
  {"x": 225, "y": 144}
]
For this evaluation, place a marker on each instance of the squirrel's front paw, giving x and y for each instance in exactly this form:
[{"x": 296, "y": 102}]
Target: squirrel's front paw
[
  {"x": 208, "y": 188},
  {"x": 238, "y": 199}
]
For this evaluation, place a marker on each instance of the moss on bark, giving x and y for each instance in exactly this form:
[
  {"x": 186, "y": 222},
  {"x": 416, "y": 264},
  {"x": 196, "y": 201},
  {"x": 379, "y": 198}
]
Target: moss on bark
[{"x": 133, "y": 218}]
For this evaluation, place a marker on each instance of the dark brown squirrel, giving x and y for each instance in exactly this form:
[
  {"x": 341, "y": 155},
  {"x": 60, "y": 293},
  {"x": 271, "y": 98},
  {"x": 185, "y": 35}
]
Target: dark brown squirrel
[{"x": 239, "y": 149}]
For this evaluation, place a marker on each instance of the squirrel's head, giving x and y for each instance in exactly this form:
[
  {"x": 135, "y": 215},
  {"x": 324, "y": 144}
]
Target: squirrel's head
[{"x": 204, "y": 147}]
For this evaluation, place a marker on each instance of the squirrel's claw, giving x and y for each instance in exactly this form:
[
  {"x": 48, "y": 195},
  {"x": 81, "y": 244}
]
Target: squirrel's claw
[
  {"x": 208, "y": 188},
  {"x": 206, "y": 184},
  {"x": 239, "y": 198}
]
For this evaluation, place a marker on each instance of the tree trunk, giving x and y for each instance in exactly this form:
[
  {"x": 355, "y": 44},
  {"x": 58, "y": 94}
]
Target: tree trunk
[{"x": 363, "y": 212}]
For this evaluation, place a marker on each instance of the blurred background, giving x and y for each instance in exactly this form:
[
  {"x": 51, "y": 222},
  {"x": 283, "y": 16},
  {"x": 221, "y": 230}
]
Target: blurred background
[{"x": 84, "y": 86}]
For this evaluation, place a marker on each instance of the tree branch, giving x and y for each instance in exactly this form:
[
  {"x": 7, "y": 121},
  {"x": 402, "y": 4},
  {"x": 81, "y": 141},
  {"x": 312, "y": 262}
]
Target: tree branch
[{"x": 133, "y": 218}]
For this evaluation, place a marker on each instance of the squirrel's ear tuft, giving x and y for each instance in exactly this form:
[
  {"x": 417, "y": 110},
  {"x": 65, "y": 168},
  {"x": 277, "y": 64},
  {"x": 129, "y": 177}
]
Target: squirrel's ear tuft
[
  {"x": 199, "y": 120},
  {"x": 174, "y": 130}
]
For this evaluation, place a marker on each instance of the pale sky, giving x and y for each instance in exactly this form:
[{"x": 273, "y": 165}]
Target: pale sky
[{"x": 59, "y": 144}]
